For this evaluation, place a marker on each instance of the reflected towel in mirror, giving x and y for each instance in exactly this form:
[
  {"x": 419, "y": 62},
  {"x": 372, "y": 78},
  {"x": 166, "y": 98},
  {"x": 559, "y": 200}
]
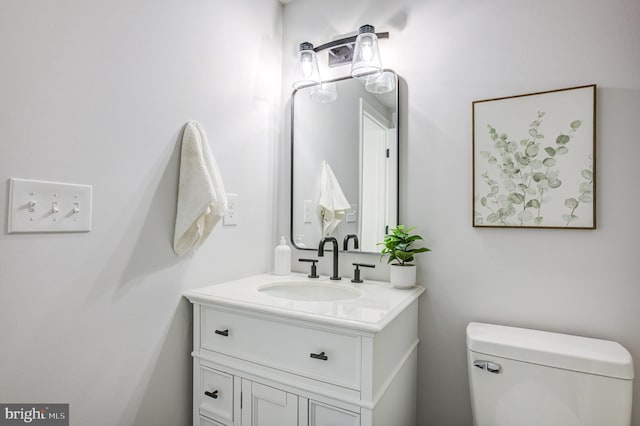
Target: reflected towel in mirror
[
  {"x": 333, "y": 204},
  {"x": 202, "y": 200}
]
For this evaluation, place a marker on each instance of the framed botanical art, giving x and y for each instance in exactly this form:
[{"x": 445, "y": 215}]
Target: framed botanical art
[{"x": 534, "y": 160}]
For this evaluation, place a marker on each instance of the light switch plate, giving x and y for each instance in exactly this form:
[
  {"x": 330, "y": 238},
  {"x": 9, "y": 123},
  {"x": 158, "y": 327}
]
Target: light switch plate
[{"x": 41, "y": 206}]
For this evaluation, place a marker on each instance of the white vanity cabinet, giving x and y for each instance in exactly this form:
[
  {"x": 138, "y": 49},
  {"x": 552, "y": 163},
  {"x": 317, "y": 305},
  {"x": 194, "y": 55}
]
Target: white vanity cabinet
[{"x": 256, "y": 364}]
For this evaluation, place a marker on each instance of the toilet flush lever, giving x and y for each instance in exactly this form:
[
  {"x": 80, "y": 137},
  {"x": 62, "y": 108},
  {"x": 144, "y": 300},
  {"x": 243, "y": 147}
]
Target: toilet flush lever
[
  {"x": 482, "y": 365},
  {"x": 491, "y": 367}
]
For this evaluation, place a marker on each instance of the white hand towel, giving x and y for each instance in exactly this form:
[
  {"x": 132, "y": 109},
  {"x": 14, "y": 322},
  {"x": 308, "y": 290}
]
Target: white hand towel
[
  {"x": 201, "y": 197},
  {"x": 333, "y": 204}
]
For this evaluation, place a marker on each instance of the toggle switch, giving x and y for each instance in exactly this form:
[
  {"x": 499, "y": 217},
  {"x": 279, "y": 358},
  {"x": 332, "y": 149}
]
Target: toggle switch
[
  {"x": 32, "y": 206},
  {"x": 76, "y": 208},
  {"x": 54, "y": 207}
]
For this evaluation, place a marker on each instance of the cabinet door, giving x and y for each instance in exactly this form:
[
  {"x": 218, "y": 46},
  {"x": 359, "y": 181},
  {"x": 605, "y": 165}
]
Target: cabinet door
[
  {"x": 266, "y": 406},
  {"x": 208, "y": 422},
  {"x": 326, "y": 415}
]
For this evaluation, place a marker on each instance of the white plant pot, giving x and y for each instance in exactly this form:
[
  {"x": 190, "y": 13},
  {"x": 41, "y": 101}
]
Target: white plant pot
[{"x": 402, "y": 276}]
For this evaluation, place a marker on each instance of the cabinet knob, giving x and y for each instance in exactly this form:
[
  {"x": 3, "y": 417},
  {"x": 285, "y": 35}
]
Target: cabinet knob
[
  {"x": 321, "y": 356},
  {"x": 224, "y": 333},
  {"x": 213, "y": 394}
]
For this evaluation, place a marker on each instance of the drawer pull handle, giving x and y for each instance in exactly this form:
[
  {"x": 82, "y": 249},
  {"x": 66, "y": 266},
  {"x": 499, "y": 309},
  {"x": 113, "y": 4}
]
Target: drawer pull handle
[
  {"x": 321, "y": 356},
  {"x": 224, "y": 333},
  {"x": 213, "y": 394}
]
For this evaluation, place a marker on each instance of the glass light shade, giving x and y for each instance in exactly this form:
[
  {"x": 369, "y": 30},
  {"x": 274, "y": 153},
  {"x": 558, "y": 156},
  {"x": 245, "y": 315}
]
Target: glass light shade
[
  {"x": 324, "y": 92},
  {"x": 307, "y": 72},
  {"x": 383, "y": 82},
  {"x": 366, "y": 56}
]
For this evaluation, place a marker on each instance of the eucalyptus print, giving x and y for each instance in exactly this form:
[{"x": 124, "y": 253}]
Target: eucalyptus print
[
  {"x": 522, "y": 176},
  {"x": 585, "y": 190}
]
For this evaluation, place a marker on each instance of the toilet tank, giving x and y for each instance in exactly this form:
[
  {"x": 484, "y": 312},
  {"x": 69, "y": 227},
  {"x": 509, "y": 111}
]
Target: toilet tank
[{"x": 521, "y": 377}]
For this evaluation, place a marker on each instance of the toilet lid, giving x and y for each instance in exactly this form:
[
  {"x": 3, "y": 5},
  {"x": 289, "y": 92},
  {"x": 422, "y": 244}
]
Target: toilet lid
[{"x": 594, "y": 356}]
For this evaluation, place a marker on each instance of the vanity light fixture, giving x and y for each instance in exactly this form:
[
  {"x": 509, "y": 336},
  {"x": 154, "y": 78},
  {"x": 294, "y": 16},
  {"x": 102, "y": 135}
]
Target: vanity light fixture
[
  {"x": 307, "y": 72},
  {"x": 360, "y": 51},
  {"x": 366, "y": 55}
]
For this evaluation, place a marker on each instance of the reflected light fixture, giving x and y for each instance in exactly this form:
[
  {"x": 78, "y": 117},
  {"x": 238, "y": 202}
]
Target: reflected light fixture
[
  {"x": 324, "y": 92},
  {"x": 307, "y": 72},
  {"x": 382, "y": 82}
]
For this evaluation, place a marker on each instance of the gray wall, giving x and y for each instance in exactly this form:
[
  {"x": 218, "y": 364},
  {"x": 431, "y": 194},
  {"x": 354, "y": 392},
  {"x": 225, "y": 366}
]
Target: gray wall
[
  {"x": 97, "y": 93},
  {"x": 450, "y": 54}
]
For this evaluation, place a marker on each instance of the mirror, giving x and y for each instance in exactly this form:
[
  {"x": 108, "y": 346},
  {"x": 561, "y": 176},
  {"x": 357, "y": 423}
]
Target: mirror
[{"x": 344, "y": 164}]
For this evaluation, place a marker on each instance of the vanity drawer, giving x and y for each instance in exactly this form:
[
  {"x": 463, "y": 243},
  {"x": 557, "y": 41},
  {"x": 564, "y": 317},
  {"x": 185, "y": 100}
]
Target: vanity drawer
[
  {"x": 328, "y": 356},
  {"x": 216, "y": 394}
]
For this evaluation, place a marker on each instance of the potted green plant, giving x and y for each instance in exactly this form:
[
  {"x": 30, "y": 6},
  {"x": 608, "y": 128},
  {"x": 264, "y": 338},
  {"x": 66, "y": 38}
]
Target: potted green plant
[{"x": 398, "y": 244}]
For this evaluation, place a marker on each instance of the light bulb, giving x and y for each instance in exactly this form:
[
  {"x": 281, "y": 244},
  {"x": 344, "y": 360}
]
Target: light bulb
[
  {"x": 367, "y": 51},
  {"x": 307, "y": 65}
]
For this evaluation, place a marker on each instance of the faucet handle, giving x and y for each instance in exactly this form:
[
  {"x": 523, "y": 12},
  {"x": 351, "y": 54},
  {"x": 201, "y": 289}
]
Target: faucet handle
[
  {"x": 314, "y": 268},
  {"x": 356, "y": 272}
]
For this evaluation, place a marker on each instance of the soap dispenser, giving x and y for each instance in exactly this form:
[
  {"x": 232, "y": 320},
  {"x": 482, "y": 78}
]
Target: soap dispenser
[{"x": 282, "y": 258}]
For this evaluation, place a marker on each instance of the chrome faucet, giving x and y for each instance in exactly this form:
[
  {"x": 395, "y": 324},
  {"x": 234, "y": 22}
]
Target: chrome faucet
[{"x": 333, "y": 241}]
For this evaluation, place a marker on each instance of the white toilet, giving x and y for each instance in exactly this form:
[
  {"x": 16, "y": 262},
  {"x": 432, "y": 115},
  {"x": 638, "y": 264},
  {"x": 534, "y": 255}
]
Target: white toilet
[{"x": 521, "y": 377}]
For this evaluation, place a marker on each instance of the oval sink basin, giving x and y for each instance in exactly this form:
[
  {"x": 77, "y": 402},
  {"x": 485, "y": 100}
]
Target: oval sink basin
[{"x": 308, "y": 291}]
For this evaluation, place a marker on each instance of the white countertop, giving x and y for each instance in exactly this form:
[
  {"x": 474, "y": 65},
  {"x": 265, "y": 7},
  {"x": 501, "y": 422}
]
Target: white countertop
[{"x": 378, "y": 304}]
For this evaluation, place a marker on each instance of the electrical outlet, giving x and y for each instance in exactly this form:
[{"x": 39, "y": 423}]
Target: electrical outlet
[
  {"x": 231, "y": 216},
  {"x": 352, "y": 215},
  {"x": 307, "y": 211}
]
